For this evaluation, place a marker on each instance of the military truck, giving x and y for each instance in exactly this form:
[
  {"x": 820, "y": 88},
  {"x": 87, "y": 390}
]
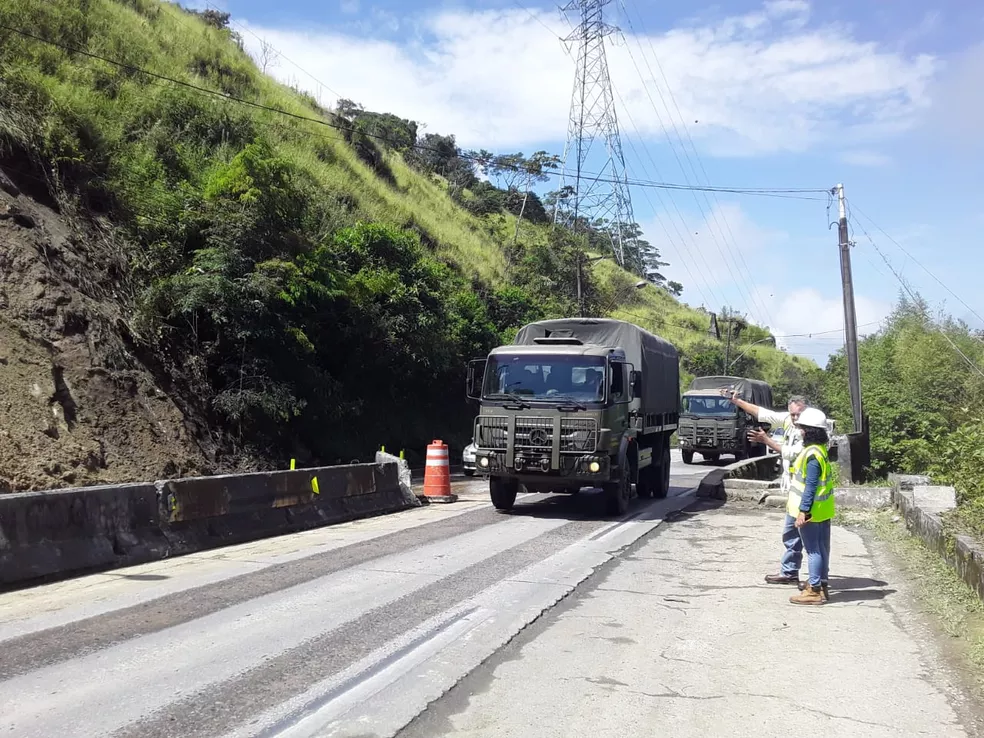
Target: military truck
[
  {"x": 577, "y": 403},
  {"x": 711, "y": 426}
]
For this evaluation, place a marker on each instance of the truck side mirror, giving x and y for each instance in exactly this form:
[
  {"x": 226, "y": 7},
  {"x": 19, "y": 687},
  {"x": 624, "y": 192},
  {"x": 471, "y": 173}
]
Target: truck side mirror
[
  {"x": 473, "y": 382},
  {"x": 635, "y": 380}
]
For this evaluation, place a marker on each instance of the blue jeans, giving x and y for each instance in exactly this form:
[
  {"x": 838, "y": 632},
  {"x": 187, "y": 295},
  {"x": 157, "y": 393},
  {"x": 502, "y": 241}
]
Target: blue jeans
[
  {"x": 816, "y": 541},
  {"x": 792, "y": 558}
]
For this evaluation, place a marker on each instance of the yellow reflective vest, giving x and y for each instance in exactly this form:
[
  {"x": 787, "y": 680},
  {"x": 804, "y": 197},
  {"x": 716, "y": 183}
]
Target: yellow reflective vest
[{"x": 823, "y": 500}]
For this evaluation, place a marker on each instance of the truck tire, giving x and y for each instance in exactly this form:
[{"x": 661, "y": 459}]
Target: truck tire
[
  {"x": 503, "y": 492},
  {"x": 662, "y": 475},
  {"x": 617, "y": 493},
  {"x": 688, "y": 457},
  {"x": 646, "y": 486}
]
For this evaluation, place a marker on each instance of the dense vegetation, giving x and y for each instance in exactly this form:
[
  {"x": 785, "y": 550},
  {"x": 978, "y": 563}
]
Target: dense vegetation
[
  {"x": 923, "y": 389},
  {"x": 312, "y": 281}
]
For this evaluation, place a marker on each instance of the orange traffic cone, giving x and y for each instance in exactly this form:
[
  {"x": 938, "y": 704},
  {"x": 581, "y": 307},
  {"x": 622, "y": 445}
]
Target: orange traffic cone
[{"x": 437, "y": 474}]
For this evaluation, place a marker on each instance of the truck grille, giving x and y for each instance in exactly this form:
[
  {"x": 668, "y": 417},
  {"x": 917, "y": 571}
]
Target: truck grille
[
  {"x": 492, "y": 432},
  {"x": 534, "y": 434},
  {"x": 577, "y": 435}
]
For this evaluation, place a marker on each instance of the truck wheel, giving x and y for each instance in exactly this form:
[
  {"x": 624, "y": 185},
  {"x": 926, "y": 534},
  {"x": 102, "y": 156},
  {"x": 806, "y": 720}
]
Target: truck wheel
[
  {"x": 688, "y": 457},
  {"x": 647, "y": 482},
  {"x": 503, "y": 492},
  {"x": 617, "y": 493},
  {"x": 662, "y": 475}
]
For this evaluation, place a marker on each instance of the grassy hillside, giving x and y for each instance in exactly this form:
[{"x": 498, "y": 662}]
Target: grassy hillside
[{"x": 285, "y": 281}]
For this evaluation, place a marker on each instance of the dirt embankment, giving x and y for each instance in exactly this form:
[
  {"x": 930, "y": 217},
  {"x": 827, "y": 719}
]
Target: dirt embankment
[{"x": 77, "y": 406}]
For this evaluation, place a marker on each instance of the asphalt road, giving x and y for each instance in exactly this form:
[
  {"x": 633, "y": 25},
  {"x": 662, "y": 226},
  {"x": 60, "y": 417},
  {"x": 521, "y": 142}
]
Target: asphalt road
[
  {"x": 348, "y": 630},
  {"x": 458, "y": 620}
]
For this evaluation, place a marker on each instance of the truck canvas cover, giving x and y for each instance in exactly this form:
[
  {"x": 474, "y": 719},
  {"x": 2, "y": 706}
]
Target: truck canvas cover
[
  {"x": 751, "y": 390},
  {"x": 655, "y": 357}
]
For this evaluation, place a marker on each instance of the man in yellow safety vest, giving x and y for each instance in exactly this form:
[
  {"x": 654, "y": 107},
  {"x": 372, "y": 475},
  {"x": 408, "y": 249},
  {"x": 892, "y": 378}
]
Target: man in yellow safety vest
[
  {"x": 789, "y": 450},
  {"x": 811, "y": 503}
]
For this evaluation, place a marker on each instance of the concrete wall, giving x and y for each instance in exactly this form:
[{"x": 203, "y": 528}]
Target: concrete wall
[
  {"x": 922, "y": 505},
  {"x": 49, "y": 534},
  {"x": 756, "y": 480}
]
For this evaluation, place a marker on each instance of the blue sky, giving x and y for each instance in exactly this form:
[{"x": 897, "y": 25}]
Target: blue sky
[{"x": 882, "y": 96}]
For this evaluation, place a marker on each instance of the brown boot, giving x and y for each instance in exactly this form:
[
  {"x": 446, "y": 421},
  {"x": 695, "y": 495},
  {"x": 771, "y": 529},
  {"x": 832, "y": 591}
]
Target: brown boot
[
  {"x": 809, "y": 596},
  {"x": 823, "y": 588},
  {"x": 782, "y": 579}
]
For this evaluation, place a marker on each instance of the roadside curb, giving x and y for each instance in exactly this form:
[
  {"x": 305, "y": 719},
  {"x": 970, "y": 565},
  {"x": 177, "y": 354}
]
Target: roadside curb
[{"x": 922, "y": 506}]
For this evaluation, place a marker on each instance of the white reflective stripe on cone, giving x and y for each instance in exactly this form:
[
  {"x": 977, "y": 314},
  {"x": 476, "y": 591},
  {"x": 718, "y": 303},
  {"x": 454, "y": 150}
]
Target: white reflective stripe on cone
[
  {"x": 437, "y": 463},
  {"x": 437, "y": 454}
]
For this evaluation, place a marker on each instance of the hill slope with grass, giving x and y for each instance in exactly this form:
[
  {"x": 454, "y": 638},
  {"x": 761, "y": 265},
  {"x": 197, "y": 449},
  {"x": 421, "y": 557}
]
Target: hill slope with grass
[{"x": 202, "y": 270}]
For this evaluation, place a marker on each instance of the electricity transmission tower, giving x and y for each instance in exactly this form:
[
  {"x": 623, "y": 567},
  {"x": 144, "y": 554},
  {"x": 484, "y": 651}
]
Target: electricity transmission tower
[{"x": 604, "y": 193}]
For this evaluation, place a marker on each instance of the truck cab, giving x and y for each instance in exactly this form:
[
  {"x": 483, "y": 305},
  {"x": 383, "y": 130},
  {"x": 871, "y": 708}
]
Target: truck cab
[
  {"x": 712, "y": 426},
  {"x": 560, "y": 413}
]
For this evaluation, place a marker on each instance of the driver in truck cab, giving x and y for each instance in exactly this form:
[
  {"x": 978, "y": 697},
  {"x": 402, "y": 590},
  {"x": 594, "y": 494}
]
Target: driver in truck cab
[{"x": 789, "y": 449}]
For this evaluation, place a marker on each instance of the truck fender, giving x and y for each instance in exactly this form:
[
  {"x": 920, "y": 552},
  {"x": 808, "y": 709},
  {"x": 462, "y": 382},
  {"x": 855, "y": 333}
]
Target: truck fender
[{"x": 627, "y": 453}]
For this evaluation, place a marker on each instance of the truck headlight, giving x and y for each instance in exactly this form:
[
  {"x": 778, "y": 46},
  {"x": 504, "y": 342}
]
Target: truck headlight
[
  {"x": 594, "y": 467},
  {"x": 484, "y": 462}
]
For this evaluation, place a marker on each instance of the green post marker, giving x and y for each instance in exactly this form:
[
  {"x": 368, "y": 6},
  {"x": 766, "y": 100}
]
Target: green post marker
[
  {"x": 383, "y": 449},
  {"x": 401, "y": 454},
  {"x": 292, "y": 464}
]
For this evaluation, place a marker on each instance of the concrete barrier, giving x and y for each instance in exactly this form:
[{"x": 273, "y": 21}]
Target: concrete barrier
[
  {"x": 718, "y": 485},
  {"x": 65, "y": 531},
  {"x": 922, "y": 507},
  {"x": 44, "y": 535},
  {"x": 756, "y": 480}
]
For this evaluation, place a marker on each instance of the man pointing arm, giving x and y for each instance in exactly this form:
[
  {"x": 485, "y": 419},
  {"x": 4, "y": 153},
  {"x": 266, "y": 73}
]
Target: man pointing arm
[{"x": 788, "y": 450}]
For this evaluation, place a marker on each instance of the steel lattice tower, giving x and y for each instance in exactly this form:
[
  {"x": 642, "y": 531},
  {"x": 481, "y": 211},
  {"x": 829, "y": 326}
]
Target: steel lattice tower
[{"x": 604, "y": 193}]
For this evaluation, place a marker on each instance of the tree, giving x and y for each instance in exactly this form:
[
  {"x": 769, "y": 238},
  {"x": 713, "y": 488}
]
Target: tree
[
  {"x": 214, "y": 18},
  {"x": 674, "y": 288},
  {"x": 269, "y": 56}
]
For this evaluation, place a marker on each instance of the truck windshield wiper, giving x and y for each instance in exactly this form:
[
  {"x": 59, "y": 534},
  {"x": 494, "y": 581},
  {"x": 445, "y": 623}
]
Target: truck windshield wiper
[
  {"x": 568, "y": 400},
  {"x": 518, "y": 399}
]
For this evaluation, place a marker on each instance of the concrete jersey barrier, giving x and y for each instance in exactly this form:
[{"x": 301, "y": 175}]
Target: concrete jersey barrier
[{"x": 45, "y": 535}]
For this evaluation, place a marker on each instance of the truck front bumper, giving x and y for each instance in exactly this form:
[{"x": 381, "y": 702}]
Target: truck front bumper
[{"x": 588, "y": 467}]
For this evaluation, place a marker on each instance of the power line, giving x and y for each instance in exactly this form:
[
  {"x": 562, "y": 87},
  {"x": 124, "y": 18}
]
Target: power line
[
  {"x": 537, "y": 19},
  {"x": 591, "y": 176},
  {"x": 657, "y": 213},
  {"x": 740, "y": 265},
  {"x": 918, "y": 263},
  {"x": 278, "y": 52},
  {"x": 915, "y": 299}
]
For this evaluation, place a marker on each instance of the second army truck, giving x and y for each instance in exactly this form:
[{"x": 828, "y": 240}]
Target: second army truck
[
  {"x": 576, "y": 403},
  {"x": 711, "y": 426}
]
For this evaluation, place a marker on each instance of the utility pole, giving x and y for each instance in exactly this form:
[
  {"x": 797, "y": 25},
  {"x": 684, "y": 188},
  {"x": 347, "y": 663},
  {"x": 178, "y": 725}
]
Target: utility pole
[
  {"x": 606, "y": 196},
  {"x": 727, "y": 351},
  {"x": 850, "y": 314},
  {"x": 580, "y": 299}
]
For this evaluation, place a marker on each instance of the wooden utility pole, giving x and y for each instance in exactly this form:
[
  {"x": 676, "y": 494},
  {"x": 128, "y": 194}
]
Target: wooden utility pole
[
  {"x": 727, "y": 351},
  {"x": 850, "y": 314}
]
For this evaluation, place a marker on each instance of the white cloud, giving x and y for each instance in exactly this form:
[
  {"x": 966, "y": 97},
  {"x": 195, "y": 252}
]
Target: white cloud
[
  {"x": 865, "y": 158},
  {"x": 958, "y": 108},
  {"x": 761, "y": 82},
  {"x": 809, "y": 310}
]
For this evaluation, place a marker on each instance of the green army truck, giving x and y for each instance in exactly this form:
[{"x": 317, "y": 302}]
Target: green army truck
[
  {"x": 712, "y": 426},
  {"x": 576, "y": 403}
]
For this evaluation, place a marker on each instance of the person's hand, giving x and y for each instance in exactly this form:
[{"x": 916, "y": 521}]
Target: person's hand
[
  {"x": 729, "y": 394},
  {"x": 801, "y": 519},
  {"x": 757, "y": 435}
]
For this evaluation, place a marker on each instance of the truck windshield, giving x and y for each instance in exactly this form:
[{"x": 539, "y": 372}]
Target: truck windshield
[
  {"x": 580, "y": 378},
  {"x": 715, "y": 406}
]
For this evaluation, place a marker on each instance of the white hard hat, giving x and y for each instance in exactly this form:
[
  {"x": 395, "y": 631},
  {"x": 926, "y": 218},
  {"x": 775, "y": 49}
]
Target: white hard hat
[{"x": 812, "y": 418}]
